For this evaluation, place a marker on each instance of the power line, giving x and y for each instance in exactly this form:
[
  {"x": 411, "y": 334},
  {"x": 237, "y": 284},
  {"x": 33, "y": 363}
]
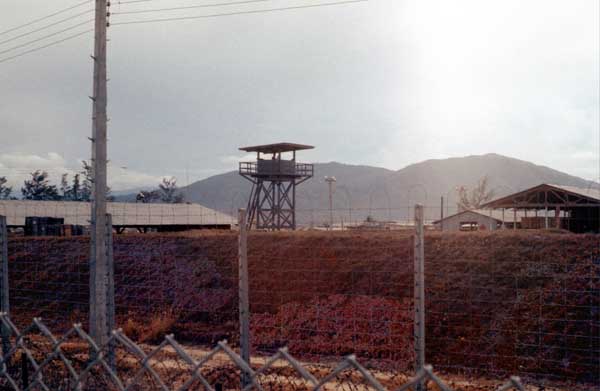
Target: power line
[
  {"x": 238, "y": 13},
  {"x": 46, "y": 46},
  {"x": 46, "y": 17},
  {"x": 45, "y": 37},
  {"x": 189, "y": 7},
  {"x": 46, "y": 26}
]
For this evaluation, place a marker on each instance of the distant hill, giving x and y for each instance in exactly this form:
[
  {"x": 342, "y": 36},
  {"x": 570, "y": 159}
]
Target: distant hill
[{"x": 384, "y": 193}]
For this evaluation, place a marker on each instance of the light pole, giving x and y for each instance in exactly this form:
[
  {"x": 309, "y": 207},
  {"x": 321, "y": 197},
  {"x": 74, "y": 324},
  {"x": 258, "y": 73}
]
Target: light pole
[
  {"x": 330, "y": 181},
  {"x": 349, "y": 202},
  {"x": 370, "y": 216},
  {"x": 389, "y": 202}
]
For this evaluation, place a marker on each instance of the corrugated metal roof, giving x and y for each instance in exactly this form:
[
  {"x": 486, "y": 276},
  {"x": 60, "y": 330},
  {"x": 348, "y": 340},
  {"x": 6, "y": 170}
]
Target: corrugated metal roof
[
  {"x": 589, "y": 192},
  {"x": 592, "y": 194},
  {"x": 123, "y": 213}
]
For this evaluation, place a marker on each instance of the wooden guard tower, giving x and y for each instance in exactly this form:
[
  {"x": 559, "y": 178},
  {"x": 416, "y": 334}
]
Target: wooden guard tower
[{"x": 272, "y": 201}]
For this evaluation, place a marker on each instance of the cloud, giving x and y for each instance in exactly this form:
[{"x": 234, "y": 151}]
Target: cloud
[
  {"x": 16, "y": 167},
  {"x": 385, "y": 83},
  {"x": 120, "y": 178},
  {"x": 52, "y": 160}
]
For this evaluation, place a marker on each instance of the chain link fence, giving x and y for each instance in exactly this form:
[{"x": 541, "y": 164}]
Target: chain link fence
[{"x": 40, "y": 360}]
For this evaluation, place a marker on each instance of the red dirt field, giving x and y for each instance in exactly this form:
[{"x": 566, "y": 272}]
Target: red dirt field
[{"x": 523, "y": 303}]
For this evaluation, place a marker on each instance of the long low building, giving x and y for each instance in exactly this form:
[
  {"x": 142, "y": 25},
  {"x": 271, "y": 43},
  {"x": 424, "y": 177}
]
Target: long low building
[{"x": 162, "y": 217}]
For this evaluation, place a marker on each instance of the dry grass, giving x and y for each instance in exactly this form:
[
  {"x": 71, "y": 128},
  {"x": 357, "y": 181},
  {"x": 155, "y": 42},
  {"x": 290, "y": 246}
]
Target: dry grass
[{"x": 152, "y": 331}]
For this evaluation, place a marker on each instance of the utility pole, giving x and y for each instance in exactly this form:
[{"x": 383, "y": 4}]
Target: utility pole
[
  {"x": 99, "y": 258},
  {"x": 330, "y": 181}
]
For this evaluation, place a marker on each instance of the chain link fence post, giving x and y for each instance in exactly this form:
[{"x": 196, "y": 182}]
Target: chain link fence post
[
  {"x": 244, "y": 306},
  {"x": 4, "y": 302},
  {"x": 110, "y": 290},
  {"x": 419, "y": 292},
  {"x": 102, "y": 308}
]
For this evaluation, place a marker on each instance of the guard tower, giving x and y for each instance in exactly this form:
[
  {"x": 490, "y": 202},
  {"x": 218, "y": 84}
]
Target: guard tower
[{"x": 272, "y": 201}]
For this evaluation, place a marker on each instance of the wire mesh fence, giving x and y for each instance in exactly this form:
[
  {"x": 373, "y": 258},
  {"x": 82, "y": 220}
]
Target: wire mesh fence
[
  {"x": 524, "y": 302},
  {"x": 374, "y": 218},
  {"x": 162, "y": 282},
  {"x": 514, "y": 303},
  {"x": 327, "y": 296},
  {"x": 49, "y": 277},
  {"x": 38, "y": 359},
  {"x": 173, "y": 283}
]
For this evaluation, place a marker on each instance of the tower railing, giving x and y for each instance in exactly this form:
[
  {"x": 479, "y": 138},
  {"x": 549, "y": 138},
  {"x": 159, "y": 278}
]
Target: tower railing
[
  {"x": 248, "y": 168},
  {"x": 254, "y": 169}
]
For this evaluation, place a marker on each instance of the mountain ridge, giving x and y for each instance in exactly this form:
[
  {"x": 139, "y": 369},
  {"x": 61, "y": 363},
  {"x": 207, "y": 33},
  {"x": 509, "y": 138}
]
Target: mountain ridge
[{"x": 372, "y": 190}]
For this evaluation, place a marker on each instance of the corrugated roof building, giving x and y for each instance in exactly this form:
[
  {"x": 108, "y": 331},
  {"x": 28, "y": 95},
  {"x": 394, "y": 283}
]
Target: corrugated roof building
[{"x": 124, "y": 215}]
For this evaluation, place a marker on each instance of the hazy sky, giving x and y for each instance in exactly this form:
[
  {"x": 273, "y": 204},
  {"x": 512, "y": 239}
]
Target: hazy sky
[{"x": 383, "y": 82}]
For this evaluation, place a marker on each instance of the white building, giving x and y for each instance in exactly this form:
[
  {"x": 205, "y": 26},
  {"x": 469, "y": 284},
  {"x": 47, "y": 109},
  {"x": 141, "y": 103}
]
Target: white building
[{"x": 162, "y": 217}]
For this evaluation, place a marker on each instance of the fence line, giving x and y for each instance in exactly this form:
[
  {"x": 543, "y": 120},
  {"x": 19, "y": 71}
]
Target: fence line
[{"x": 495, "y": 304}]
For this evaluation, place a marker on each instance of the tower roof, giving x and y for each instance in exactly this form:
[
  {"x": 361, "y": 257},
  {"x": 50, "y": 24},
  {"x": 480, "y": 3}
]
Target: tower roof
[{"x": 276, "y": 148}]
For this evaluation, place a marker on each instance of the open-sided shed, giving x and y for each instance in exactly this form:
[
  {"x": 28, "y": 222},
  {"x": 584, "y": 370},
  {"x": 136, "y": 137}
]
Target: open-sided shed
[{"x": 554, "y": 206}]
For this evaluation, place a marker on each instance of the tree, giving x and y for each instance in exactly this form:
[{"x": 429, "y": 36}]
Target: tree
[
  {"x": 478, "y": 196},
  {"x": 86, "y": 185},
  {"x": 85, "y": 189},
  {"x": 39, "y": 188},
  {"x": 76, "y": 189},
  {"x": 65, "y": 189},
  {"x": 148, "y": 197},
  {"x": 5, "y": 191},
  {"x": 168, "y": 191}
]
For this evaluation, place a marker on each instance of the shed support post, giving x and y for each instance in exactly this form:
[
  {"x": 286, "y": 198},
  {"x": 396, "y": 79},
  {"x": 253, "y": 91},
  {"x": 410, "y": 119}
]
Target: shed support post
[
  {"x": 419, "y": 292},
  {"x": 546, "y": 217},
  {"x": 503, "y": 220},
  {"x": 244, "y": 305},
  {"x": 514, "y": 218}
]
